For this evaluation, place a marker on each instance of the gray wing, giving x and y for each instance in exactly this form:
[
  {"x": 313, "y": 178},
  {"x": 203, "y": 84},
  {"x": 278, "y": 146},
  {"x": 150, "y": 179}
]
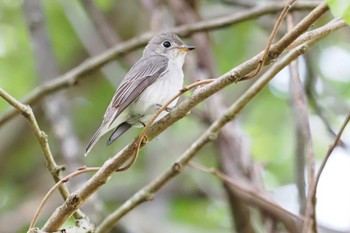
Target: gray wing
[{"x": 139, "y": 77}]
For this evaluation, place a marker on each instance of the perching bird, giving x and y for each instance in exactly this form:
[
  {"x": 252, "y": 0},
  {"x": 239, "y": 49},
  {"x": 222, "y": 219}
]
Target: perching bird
[{"x": 148, "y": 85}]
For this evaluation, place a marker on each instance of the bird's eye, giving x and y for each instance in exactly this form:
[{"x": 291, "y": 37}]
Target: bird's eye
[{"x": 166, "y": 44}]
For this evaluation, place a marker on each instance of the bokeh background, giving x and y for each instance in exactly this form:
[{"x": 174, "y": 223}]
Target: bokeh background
[{"x": 194, "y": 201}]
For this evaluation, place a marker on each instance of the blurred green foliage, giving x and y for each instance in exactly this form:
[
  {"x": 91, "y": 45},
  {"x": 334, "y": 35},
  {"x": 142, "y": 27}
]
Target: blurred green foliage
[{"x": 340, "y": 8}]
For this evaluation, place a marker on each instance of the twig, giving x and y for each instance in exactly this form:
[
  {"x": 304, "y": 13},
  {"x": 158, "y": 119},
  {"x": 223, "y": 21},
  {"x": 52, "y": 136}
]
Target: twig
[
  {"x": 80, "y": 72},
  {"x": 269, "y": 42},
  {"x": 252, "y": 197},
  {"x": 56, "y": 106},
  {"x": 74, "y": 201},
  {"x": 105, "y": 29},
  {"x": 302, "y": 128},
  {"x": 41, "y": 136},
  {"x": 312, "y": 96},
  {"x": 244, "y": 3},
  {"x": 310, "y": 223},
  {"x": 57, "y": 185}
]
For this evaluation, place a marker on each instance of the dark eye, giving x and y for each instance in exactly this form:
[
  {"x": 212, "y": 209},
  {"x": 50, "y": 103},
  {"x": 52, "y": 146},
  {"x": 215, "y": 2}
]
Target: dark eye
[{"x": 166, "y": 44}]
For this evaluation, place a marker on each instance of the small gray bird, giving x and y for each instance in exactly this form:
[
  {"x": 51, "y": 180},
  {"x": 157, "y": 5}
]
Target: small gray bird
[{"x": 148, "y": 85}]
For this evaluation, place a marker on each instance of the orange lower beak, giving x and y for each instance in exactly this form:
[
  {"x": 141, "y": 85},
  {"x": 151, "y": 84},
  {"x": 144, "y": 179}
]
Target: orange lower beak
[{"x": 186, "y": 48}]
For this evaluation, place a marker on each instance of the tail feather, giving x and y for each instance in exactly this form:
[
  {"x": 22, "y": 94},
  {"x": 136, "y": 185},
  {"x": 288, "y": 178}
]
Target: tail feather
[
  {"x": 93, "y": 140},
  {"x": 122, "y": 128}
]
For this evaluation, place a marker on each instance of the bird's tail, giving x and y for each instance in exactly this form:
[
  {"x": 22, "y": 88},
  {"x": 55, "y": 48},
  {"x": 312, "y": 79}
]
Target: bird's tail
[
  {"x": 93, "y": 140},
  {"x": 122, "y": 128}
]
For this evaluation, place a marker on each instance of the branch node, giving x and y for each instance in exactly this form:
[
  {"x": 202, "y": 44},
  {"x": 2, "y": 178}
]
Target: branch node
[
  {"x": 304, "y": 49},
  {"x": 73, "y": 201},
  {"x": 212, "y": 136},
  {"x": 149, "y": 196},
  {"x": 43, "y": 137},
  {"x": 144, "y": 140},
  {"x": 177, "y": 167},
  {"x": 58, "y": 169},
  {"x": 73, "y": 81},
  {"x": 27, "y": 111},
  {"x": 234, "y": 77}
]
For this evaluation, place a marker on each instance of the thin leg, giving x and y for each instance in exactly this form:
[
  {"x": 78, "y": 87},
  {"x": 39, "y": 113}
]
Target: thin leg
[{"x": 168, "y": 109}]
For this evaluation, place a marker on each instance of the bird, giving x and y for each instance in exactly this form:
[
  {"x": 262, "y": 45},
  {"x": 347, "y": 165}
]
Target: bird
[{"x": 152, "y": 81}]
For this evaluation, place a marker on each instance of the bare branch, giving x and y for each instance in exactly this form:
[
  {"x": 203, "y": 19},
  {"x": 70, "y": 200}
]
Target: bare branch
[
  {"x": 105, "y": 29},
  {"x": 65, "y": 179},
  {"x": 256, "y": 199},
  {"x": 303, "y": 133},
  {"x": 56, "y": 107},
  {"x": 41, "y": 137},
  {"x": 310, "y": 221}
]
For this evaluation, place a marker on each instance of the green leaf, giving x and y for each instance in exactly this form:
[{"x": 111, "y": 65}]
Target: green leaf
[{"x": 340, "y": 8}]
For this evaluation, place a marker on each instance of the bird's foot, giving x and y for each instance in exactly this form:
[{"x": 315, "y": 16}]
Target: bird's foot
[{"x": 168, "y": 109}]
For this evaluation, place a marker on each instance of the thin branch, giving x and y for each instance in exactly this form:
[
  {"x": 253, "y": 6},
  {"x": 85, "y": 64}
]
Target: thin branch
[
  {"x": 241, "y": 3},
  {"x": 256, "y": 199},
  {"x": 269, "y": 42},
  {"x": 312, "y": 96},
  {"x": 310, "y": 222},
  {"x": 41, "y": 136},
  {"x": 78, "y": 198},
  {"x": 65, "y": 179},
  {"x": 81, "y": 71},
  {"x": 301, "y": 27},
  {"x": 302, "y": 127},
  {"x": 105, "y": 29},
  {"x": 57, "y": 105}
]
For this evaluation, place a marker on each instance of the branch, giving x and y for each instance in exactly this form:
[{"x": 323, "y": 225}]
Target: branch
[
  {"x": 41, "y": 137},
  {"x": 302, "y": 127},
  {"x": 56, "y": 106},
  {"x": 81, "y": 71},
  {"x": 310, "y": 222},
  {"x": 77, "y": 199},
  {"x": 253, "y": 198},
  {"x": 65, "y": 179}
]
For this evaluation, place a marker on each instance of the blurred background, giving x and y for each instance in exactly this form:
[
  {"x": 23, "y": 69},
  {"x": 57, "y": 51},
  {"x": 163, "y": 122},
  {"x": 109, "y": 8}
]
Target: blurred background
[{"x": 265, "y": 141}]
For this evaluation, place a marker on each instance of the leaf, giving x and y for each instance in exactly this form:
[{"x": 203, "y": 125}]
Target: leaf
[{"x": 340, "y": 8}]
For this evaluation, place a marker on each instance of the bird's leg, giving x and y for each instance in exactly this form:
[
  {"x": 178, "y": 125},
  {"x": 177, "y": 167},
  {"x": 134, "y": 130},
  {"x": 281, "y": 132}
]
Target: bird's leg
[
  {"x": 143, "y": 124},
  {"x": 168, "y": 109}
]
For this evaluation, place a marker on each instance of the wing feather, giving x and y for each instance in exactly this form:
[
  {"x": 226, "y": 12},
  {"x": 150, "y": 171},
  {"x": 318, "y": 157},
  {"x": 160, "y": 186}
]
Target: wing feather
[{"x": 140, "y": 76}]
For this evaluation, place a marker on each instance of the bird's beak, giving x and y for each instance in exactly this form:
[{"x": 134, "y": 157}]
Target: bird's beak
[{"x": 186, "y": 48}]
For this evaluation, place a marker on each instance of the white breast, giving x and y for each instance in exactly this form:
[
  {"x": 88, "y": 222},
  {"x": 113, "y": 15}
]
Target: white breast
[{"x": 163, "y": 89}]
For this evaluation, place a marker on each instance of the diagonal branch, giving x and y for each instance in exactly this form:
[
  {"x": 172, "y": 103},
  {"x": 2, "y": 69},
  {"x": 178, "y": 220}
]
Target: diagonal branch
[
  {"x": 41, "y": 136},
  {"x": 81, "y": 71}
]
